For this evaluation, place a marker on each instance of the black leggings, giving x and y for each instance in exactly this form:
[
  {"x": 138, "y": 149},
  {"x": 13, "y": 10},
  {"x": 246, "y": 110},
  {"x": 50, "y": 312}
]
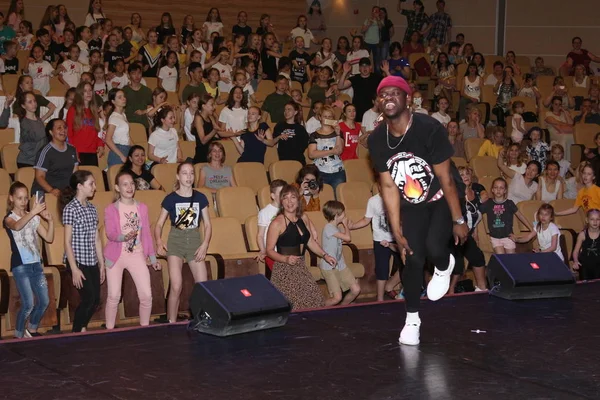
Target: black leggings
[
  {"x": 88, "y": 159},
  {"x": 471, "y": 252},
  {"x": 589, "y": 269},
  {"x": 428, "y": 229},
  {"x": 500, "y": 115},
  {"x": 89, "y": 295},
  {"x": 382, "y": 261}
]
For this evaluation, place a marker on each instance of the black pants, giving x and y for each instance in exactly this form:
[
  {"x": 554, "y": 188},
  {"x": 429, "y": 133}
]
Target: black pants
[
  {"x": 500, "y": 115},
  {"x": 21, "y": 165},
  {"x": 428, "y": 229},
  {"x": 382, "y": 261},
  {"x": 589, "y": 269},
  {"x": 88, "y": 159},
  {"x": 89, "y": 295}
]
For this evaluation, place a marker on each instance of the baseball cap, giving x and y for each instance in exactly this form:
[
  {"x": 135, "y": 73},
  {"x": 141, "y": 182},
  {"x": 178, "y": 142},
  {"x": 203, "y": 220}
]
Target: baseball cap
[{"x": 364, "y": 61}]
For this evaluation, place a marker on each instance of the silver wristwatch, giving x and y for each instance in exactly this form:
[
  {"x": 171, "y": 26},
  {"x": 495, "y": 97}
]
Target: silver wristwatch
[{"x": 459, "y": 221}]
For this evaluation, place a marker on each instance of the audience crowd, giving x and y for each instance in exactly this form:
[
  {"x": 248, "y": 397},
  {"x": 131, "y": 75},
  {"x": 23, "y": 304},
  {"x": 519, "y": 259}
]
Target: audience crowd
[{"x": 311, "y": 97}]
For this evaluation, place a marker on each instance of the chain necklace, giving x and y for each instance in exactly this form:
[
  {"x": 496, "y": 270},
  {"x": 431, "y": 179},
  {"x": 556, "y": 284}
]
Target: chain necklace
[{"x": 387, "y": 133}]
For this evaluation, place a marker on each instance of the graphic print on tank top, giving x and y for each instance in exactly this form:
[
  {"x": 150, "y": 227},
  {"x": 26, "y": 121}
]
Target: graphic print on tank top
[{"x": 412, "y": 175}]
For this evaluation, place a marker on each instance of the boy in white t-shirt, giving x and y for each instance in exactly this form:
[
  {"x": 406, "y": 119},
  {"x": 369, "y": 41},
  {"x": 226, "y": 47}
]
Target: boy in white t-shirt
[
  {"x": 71, "y": 69},
  {"x": 383, "y": 245},
  {"x": 265, "y": 216}
]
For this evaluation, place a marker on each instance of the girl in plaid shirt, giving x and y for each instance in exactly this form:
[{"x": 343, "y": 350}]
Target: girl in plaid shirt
[{"x": 83, "y": 250}]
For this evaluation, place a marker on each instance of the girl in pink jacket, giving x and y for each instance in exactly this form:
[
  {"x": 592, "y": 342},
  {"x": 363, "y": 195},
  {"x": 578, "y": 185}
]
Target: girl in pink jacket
[{"x": 129, "y": 246}]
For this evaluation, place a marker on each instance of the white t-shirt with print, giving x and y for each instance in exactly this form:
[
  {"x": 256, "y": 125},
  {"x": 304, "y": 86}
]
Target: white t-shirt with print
[
  {"x": 118, "y": 82},
  {"x": 444, "y": 119},
  {"x": 41, "y": 73},
  {"x": 545, "y": 239},
  {"x": 305, "y": 34},
  {"x": 165, "y": 143},
  {"x": 224, "y": 73},
  {"x": 376, "y": 212},
  {"x": 169, "y": 78},
  {"x": 235, "y": 119}
]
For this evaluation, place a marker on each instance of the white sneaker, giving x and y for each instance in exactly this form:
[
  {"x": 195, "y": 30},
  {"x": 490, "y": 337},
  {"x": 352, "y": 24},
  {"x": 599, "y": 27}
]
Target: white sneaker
[
  {"x": 411, "y": 331},
  {"x": 26, "y": 334},
  {"x": 440, "y": 283},
  {"x": 478, "y": 289}
]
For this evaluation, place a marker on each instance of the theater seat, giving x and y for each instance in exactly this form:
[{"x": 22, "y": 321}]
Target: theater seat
[
  {"x": 98, "y": 175},
  {"x": 472, "y": 146},
  {"x": 228, "y": 246},
  {"x": 153, "y": 200},
  {"x": 264, "y": 196},
  {"x": 111, "y": 174},
  {"x": 166, "y": 175},
  {"x": 26, "y": 176},
  {"x": 354, "y": 194},
  {"x": 574, "y": 222},
  {"x": 250, "y": 174},
  {"x": 188, "y": 149},
  {"x": 286, "y": 170},
  {"x": 359, "y": 170},
  {"x": 485, "y": 166},
  {"x": 236, "y": 202},
  {"x": 271, "y": 156},
  {"x": 529, "y": 209},
  {"x": 5, "y": 181},
  {"x": 137, "y": 133},
  {"x": 8, "y": 155}
]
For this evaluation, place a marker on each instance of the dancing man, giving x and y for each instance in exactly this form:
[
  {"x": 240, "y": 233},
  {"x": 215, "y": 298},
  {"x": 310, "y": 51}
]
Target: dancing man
[{"x": 412, "y": 154}]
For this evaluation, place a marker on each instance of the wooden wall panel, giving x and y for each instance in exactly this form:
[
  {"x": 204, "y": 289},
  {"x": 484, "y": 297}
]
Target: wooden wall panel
[{"x": 546, "y": 27}]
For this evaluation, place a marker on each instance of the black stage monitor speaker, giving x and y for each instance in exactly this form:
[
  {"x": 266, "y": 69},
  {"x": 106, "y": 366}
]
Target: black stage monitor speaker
[
  {"x": 226, "y": 307},
  {"x": 529, "y": 276}
]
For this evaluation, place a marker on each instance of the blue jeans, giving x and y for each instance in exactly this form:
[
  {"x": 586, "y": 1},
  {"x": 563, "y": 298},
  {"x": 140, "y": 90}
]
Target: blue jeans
[
  {"x": 334, "y": 179},
  {"x": 374, "y": 50},
  {"x": 383, "y": 51},
  {"x": 113, "y": 158},
  {"x": 30, "y": 281}
]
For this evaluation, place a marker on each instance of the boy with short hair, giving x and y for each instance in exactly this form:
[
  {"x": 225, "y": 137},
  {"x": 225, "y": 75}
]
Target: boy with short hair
[
  {"x": 11, "y": 62},
  {"x": 195, "y": 84},
  {"x": 139, "y": 97},
  {"x": 265, "y": 216},
  {"x": 339, "y": 278}
]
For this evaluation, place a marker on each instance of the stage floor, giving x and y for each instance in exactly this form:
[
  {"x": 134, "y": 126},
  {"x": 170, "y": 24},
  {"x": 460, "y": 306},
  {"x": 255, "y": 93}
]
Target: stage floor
[{"x": 537, "y": 349}]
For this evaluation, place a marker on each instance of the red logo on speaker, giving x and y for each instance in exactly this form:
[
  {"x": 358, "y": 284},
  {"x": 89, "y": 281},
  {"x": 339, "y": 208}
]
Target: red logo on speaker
[
  {"x": 534, "y": 266},
  {"x": 246, "y": 292}
]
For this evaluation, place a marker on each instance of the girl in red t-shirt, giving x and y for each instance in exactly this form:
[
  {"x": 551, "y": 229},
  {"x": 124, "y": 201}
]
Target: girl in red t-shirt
[
  {"x": 350, "y": 131},
  {"x": 83, "y": 126}
]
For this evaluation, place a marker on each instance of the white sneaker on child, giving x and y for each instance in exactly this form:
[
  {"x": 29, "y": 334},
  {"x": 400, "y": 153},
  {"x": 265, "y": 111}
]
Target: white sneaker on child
[
  {"x": 411, "y": 331},
  {"x": 440, "y": 283}
]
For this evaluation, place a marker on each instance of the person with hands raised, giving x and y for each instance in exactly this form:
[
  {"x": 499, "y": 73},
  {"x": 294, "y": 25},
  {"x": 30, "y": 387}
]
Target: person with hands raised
[
  {"x": 364, "y": 84},
  {"x": 23, "y": 229},
  {"x": 129, "y": 245},
  {"x": 185, "y": 208},
  {"x": 83, "y": 250},
  {"x": 288, "y": 237},
  {"x": 252, "y": 145}
]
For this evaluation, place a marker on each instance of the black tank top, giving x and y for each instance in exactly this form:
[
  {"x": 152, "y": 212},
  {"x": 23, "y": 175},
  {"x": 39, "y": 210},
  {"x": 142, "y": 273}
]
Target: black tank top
[
  {"x": 291, "y": 242},
  {"x": 202, "y": 149},
  {"x": 590, "y": 249}
]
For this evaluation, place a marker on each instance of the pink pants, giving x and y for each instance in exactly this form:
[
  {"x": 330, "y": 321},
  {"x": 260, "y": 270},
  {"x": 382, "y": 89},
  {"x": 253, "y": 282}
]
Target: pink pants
[{"x": 135, "y": 263}]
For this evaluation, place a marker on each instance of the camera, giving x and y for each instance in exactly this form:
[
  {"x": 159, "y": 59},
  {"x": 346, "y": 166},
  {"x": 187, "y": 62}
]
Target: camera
[{"x": 313, "y": 185}]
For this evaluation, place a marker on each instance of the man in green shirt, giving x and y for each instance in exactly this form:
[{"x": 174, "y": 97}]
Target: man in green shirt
[
  {"x": 139, "y": 97},
  {"x": 196, "y": 85},
  {"x": 275, "y": 102}
]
